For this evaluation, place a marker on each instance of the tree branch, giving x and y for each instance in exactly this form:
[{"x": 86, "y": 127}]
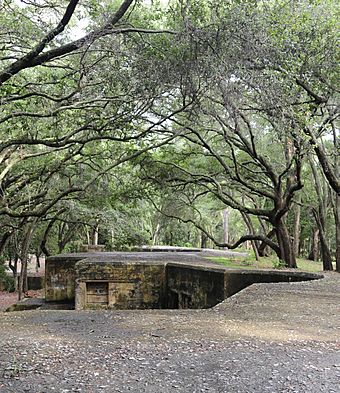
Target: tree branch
[
  {"x": 327, "y": 169},
  {"x": 231, "y": 246},
  {"x": 35, "y": 57}
]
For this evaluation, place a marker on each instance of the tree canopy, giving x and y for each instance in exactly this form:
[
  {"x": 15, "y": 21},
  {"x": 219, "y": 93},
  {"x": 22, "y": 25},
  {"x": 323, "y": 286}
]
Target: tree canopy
[{"x": 141, "y": 122}]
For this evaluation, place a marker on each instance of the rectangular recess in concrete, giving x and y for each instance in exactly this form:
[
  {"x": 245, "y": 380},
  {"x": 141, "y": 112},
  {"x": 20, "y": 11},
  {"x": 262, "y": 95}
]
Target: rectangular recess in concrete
[{"x": 97, "y": 293}]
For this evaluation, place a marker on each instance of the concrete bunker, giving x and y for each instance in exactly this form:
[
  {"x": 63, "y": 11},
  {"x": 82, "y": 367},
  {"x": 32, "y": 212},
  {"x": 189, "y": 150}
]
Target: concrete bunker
[
  {"x": 149, "y": 280},
  {"x": 119, "y": 285}
]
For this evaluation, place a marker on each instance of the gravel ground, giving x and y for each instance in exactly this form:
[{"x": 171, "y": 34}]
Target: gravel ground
[{"x": 267, "y": 338}]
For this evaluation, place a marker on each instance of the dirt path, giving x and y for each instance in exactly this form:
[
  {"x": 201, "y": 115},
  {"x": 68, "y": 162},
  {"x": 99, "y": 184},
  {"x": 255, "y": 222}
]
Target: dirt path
[{"x": 274, "y": 338}]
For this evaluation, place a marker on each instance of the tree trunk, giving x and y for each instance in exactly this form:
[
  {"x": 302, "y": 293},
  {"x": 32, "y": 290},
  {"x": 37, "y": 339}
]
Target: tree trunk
[
  {"x": 14, "y": 267},
  {"x": 23, "y": 257},
  {"x": 155, "y": 234},
  {"x": 4, "y": 240},
  {"x": 44, "y": 249},
  {"x": 337, "y": 231},
  {"x": 297, "y": 226},
  {"x": 204, "y": 240},
  {"x": 314, "y": 250},
  {"x": 37, "y": 263},
  {"x": 225, "y": 215},
  {"x": 95, "y": 235},
  {"x": 251, "y": 231},
  {"x": 43, "y": 246},
  {"x": 171, "y": 238},
  {"x": 285, "y": 245},
  {"x": 112, "y": 238},
  {"x": 88, "y": 237},
  {"x": 66, "y": 235},
  {"x": 263, "y": 247},
  {"x": 320, "y": 215},
  {"x": 325, "y": 252},
  {"x": 336, "y": 207}
]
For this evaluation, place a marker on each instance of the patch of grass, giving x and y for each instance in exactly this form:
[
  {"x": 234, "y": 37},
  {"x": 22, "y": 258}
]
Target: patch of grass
[
  {"x": 309, "y": 266},
  {"x": 271, "y": 262}
]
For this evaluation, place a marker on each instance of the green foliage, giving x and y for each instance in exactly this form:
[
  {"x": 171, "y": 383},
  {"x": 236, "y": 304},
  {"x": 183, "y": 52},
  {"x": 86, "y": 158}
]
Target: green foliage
[
  {"x": 68, "y": 129},
  {"x": 279, "y": 264},
  {"x": 6, "y": 279}
]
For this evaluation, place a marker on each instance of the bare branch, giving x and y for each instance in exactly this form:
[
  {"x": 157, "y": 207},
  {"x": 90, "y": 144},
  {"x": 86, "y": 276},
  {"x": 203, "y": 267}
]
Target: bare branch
[{"x": 231, "y": 246}]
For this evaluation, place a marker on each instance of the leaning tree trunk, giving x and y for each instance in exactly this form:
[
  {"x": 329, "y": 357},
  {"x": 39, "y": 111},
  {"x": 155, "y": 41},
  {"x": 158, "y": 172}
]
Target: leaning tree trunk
[
  {"x": 4, "y": 240},
  {"x": 263, "y": 247},
  {"x": 43, "y": 243}
]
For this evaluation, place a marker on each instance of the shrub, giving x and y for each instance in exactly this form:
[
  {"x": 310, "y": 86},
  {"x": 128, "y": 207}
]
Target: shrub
[
  {"x": 6, "y": 279},
  {"x": 278, "y": 264}
]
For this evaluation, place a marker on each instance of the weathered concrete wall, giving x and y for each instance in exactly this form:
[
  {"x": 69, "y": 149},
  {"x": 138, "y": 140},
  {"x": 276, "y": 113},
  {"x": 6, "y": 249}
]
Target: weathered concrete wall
[
  {"x": 194, "y": 287},
  {"x": 235, "y": 281},
  {"x": 198, "y": 287},
  {"x": 35, "y": 282},
  {"x": 60, "y": 278},
  {"x": 118, "y": 285},
  {"x": 60, "y": 272},
  {"x": 133, "y": 280}
]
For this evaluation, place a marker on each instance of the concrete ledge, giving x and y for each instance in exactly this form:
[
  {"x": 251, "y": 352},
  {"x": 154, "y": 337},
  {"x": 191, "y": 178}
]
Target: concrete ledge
[{"x": 26, "y": 304}]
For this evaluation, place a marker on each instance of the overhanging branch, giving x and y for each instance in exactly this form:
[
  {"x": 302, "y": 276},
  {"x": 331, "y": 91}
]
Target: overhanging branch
[
  {"x": 37, "y": 57},
  {"x": 231, "y": 246}
]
